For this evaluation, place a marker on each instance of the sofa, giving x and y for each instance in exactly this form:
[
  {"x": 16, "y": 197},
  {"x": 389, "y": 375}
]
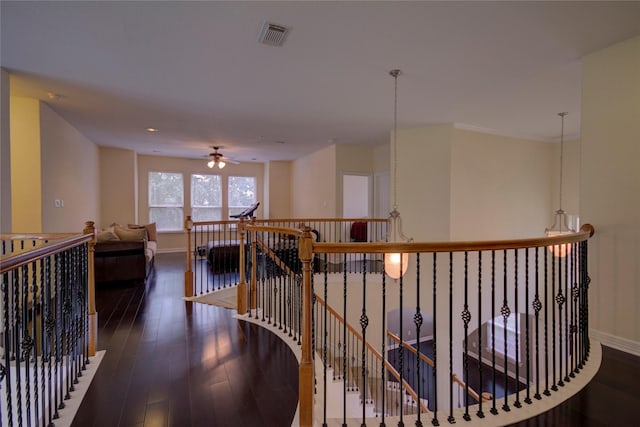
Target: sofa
[{"x": 125, "y": 254}]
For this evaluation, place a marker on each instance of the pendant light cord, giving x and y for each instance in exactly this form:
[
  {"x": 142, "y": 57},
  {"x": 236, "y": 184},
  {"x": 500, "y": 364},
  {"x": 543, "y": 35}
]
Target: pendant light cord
[
  {"x": 562, "y": 115},
  {"x": 395, "y": 74}
]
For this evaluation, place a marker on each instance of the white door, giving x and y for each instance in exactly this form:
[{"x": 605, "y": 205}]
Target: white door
[{"x": 355, "y": 196}]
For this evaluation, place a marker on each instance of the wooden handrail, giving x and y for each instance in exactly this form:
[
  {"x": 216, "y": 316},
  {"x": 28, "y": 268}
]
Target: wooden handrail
[
  {"x": 471, "y": 246},
  {"x": 375, "y": 352},
  {"x": 298, "y": 220},
  {"x": 267, "y": 250},
  {"x": 64, "y": 242},
  {"x": 429, "y": 362},
  {"x": 277, "y": 230}
]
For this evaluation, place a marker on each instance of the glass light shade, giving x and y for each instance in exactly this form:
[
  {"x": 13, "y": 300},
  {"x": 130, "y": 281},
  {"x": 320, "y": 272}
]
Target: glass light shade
[
  {"x": 561, "y": 250},
  {"x": 211, "y": 164},
  {"x": 221, "y": 164},
  {"x": 395, "y": 264}
]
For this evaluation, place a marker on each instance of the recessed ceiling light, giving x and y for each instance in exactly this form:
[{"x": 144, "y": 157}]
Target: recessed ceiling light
[
  {"x": 54, "y": 96},
  {"x": 151, "y": 129}
]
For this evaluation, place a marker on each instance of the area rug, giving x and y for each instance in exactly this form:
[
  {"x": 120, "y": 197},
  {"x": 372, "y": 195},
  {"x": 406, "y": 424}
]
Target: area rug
[{"x": 225, "y": 297}]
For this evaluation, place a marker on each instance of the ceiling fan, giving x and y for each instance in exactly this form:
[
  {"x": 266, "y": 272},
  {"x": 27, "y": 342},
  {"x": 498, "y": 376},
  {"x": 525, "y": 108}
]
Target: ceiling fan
[{"x": 217, "y": 159}]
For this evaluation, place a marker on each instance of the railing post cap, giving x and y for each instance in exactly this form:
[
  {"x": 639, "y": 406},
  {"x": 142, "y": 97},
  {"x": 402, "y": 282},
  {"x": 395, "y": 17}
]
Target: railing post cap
[{"x": 588, "y": 228}]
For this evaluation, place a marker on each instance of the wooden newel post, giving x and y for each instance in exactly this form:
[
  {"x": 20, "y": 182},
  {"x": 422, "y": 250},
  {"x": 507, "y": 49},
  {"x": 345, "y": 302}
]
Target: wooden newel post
[
  {"x": 305, "y": 373},
  {"x": 89, "y": 228},
  {"x": 242, "y": 286},
  {"x": 188, "y": 274}
]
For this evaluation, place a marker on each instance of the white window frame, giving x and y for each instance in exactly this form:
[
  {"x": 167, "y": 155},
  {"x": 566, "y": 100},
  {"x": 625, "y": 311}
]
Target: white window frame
[
  {"x": 193, "y": 206},
  {"x": 255, "y": 198},
  {"x": 179, "y": 227}
]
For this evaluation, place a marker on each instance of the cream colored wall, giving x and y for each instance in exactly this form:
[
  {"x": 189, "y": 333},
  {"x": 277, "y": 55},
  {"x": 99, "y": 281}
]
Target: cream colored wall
[
  {"x": 118, "y": 186},
  {"x": 500, "y": 186},
  {"x": 175, "y": 241},
  {"x": 70, "y": 173},
  {"x": 352, "y": 159},
  {"x": 381, "y": 158},
  {"x": 313, "y": 185},
  {"x": 423, "y": 181},
  {"x": 610, "y": 189},
  {"x": 5, "y": 154},
  {"x": 26, "y": 182},
  {"x": 277, "y": 199}
]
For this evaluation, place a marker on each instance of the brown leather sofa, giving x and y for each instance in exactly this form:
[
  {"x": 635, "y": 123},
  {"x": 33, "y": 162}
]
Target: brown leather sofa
[{"x": 119, "y": 260}]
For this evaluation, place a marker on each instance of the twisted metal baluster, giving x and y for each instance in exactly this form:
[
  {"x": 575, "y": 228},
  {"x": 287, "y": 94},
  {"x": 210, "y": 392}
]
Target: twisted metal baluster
[
  {"x": 505, "y": 312},
  {"x": 480, "y": 413},
  {"x": 527, "y": 399},
  {"x": 451, "y": 418},
  {"x": 493, "y": 409},
  {"x": 435, "y": 421},
  {"x": 537, "y": 306},
  {"x": 466, "y": 318},
  {"x": 417, "y": 320}
]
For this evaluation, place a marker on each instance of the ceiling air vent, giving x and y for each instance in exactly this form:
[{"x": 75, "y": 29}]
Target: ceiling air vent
[{"x": 272, "y": 34}]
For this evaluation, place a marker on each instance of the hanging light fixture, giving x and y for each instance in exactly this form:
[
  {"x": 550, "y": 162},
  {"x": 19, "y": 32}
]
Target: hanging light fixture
[
  {"x": 561, "y": 224},
  {"x": 216, "y": 159},
  {"x": 395, "y": 264}
]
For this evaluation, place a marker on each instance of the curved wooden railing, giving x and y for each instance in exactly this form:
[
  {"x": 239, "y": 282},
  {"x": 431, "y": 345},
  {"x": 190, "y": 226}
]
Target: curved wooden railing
[
  {"x": 470, "y": 288},
  {"x": 48, "y": 321}
]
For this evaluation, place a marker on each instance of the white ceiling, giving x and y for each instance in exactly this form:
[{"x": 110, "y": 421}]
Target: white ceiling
[{"x": 195, "y": 70}]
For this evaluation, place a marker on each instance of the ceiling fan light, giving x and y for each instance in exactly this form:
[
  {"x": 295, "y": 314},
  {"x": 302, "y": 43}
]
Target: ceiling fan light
[
  {"x": 211, "y": 164},
  {"x": 221, "y": 164}
]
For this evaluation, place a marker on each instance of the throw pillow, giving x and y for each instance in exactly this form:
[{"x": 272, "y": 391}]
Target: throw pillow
[
  {"x": 152, "y": 233},
  {"x": 106, "y": 236},
  {"x": 128, "y": 234}
]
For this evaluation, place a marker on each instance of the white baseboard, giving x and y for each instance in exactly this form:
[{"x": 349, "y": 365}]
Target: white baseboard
[
  {"x": 171, "y": 250},
  {"x": 619, "y": 343}
]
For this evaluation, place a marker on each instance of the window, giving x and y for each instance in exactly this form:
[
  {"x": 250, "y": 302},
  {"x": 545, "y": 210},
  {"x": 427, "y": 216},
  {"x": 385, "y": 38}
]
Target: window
[
  {"x": 206, "y": 197},
  {"x": 242, "y": 193},
  {"x": 166, "y": 199}
]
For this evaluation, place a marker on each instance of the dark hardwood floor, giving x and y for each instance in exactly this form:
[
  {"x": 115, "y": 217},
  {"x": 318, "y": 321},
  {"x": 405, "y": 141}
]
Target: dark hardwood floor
[
  {"x": 172, "y": 363},
  {"x": 610, "y": 399}
]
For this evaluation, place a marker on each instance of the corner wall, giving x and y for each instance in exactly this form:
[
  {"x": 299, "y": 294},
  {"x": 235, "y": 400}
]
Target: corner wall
[
  {"x": 118, "y": 186},
  {"x": 5, "y": 154},
  {"x": 26, "y": 178},
  {"x": 500, "y": 187},
  {"x": 610, "y": 190},
  {"x": 70, "y": 173},
  {"x": 313, "y": 185}
]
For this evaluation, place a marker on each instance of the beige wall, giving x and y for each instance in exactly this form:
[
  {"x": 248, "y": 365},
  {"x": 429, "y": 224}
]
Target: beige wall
[
  {"x": 352, "y": 159},
  {"x": 118, "y": 186},
  {"x": 26, "y": 179},
  {"x": 423, "y": 181},
  {"x": 381, "y": 158},
  {"x": 174, "y": 241},
  {"x": 277, "y": 197},
  {"x": 70, "y": 173},
  {"x": 610, "y": 188},
  {"x": 500, "y": 186},
  {"x": 313, "y": 185},
  {"x": 5, "y": 154}
]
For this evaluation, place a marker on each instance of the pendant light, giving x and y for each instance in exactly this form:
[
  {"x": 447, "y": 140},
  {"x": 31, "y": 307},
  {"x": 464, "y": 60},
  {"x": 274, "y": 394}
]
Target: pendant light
[
  {"x": 561, "y": 224},
  {"x": 395, "y": 264}
]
